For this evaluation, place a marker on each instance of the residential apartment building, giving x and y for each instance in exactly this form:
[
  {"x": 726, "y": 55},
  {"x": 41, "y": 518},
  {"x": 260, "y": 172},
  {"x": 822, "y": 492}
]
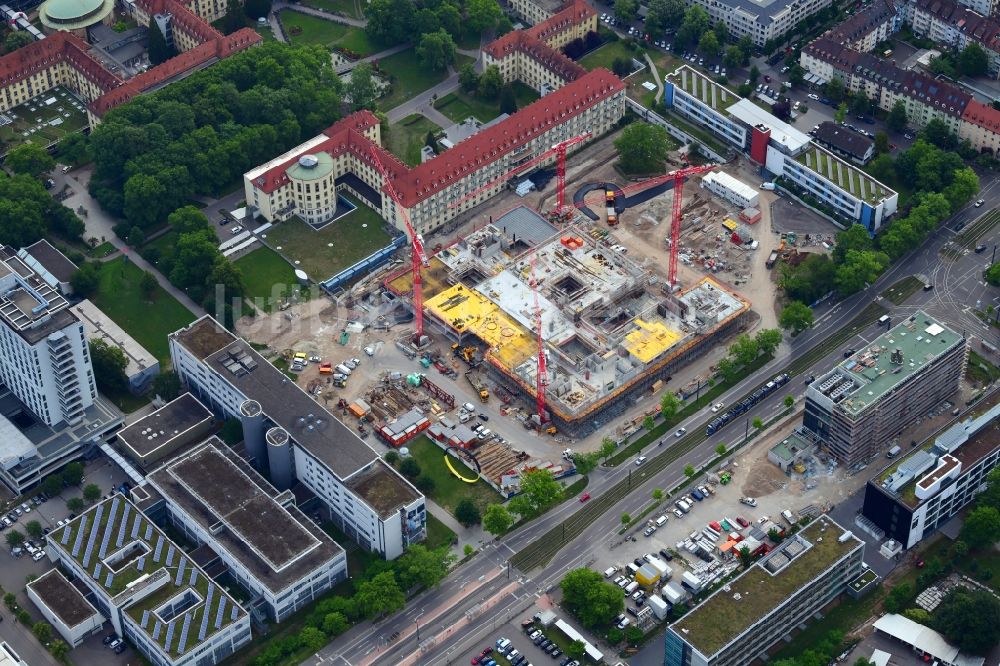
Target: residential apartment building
[
  {"x": 762, "y": 21},
  {"x": 859, "y": 406},
  {"x": 951, "y": 24},
  {"x": 296, "y": 439},
  {"x": 738, "y": 623},
  {"x": 535, "y": 11},
  {"x": 154, "y": 593},
  {"x": 304, "y": 180},
  {"x": 984, "y": 7},
  {"x": 913, "y": 497},
  {"x": 867, "y": 27},
  {"x": 924, "y": 97},
  {"x": 214, "y": 497},
  {"x": 823, "y": 179},
  {"x": 845, "y": 142},
  {"x": 44, "y": 355}
]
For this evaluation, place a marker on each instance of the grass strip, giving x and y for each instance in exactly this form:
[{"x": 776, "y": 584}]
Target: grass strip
[{"x": 902, "y": 290}]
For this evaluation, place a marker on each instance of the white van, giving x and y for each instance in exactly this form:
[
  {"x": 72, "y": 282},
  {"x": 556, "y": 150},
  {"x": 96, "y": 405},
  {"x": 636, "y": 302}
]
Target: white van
[
  {"x": 464, "y": 417},
  {"x": 610, "y": 571},
  {"x": 632, "y": 569},
  {"x": 661, "y": 521},
  {"x": 343, "y": 369},
  {"x": 632, "y": 587}
]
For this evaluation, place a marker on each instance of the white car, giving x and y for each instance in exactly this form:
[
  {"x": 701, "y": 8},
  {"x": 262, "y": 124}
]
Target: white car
[
  {"x": 980, "y": 203},
  {"x": 717, "y": 406},
  {"x": 813, "y": 96},
  {"x": 763, "y": 519},
  {"x": 678, "y": 513},
  {"x": 640, "y": 460},
  {"x": 680, "y": 432},
  {"x": 370, "y": 351},
  {"x": 38, "y": 555},
  {"x": 235, "y": 230}
]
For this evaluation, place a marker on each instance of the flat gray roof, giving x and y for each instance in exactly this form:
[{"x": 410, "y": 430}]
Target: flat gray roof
[
  {"x": 282, "y": 400},
  {"x": 277, "y": 544},
  {"x": 160, "y": 428},
  {"x": 52, "y": 260},
  {"x": 525, "y": 225}
]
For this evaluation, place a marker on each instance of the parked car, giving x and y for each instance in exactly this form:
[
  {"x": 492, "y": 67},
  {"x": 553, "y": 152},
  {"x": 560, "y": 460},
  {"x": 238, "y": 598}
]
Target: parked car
[
  {"x": 980, "y": 202},
  {"x": 680, "y": 432}
]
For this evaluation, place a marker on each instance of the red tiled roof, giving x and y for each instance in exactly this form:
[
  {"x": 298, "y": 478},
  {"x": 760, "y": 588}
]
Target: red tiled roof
[
  {"x": 863, "y": 22},
  {"x": 420, "y": 182},
  {"x": 979, "y": 28},
  {"x": 571, "y": 15},
  {"x": 57, "y": 47},
  {"x": 548, "y": 57},
  {"x": 982, "y": 115}
]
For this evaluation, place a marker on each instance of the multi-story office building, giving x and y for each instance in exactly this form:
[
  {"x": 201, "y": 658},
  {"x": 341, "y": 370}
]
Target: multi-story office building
[
  {"x": 65, "y": 607},
  {"x": 295, "y": 438},
  {"x": 859, "y": 406},
  {"x": 915, "y": 495},
  {"x": 762, "y": 21},
  {"x": 738, "y": 623},
  {"x": 214, "y": 497},
  {"x": 44, "y": 356},
  {"x": 154, "y": 593},
  {"x": 839, "y": 188}
]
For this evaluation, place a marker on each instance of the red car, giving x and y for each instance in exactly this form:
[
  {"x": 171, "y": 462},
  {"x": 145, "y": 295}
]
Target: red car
[
  {"x": 742, "y": 521},
  {"x": 476, "y": 660},
  {"x": 584, "y": 497}
]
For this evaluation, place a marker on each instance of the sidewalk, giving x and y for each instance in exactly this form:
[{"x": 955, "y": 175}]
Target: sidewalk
[{"x": 474, "y": 536}]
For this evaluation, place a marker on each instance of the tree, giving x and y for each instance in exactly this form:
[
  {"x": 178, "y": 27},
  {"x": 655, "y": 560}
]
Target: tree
[
  {"x": 59, "y": 649},
  {"x": 256, "y": 9},
  {"x": 840, "y": 115},
  {"x": 497, "y": 519},
  {"x": 490, "y": 82},
  {"x": 482, "y": 15},
  {"x": 75, "y": 504},
  {"x": 225, "y": 278},
  {"x": 992, "y": 274},
  {"x": 159, "y": 50},
  {"x": 109, "y": 364},
  {"x": 437, "y": 49},
  {"x": 757, "y": 423},
  {"x": 585, "y": 462},
  {"x": 422, "y": 566},
  {"x": 767, "y": 340},
  {"x": 882, "y": 145},
  {"x": 733, "y": 57},
  {"x": 789, "y": 401},
  {"x": 42, "y": 631},
  {"x": 167, "y": 385},
  {"x": 696, "y": 22},
  {"x": 390, "y": 21},
  {"x": 508, "y": 102},
  {"x": 188, "y": 220},
  {"x": 918, "y": 615},
  {"x": 796, "y": 75},
  {"x": 541, "y": 488},
  {"x": 897, "y": 120},
  {"x": 657, "y": 494},
  {"x": 86, "y": 278},
  {"x": 648, "y": 423},
  {"x": 72, "y": 474},
  {"x": 576, "y": 649},
  {"x": 391, "y": 457},
  {"x": 854, "y": 237},
  {"x": 467, "y": 513},
  {"x": 608, "y": 447},
  {"x": 642, "y": 147},
  {"x": 148, "y": 284},
  {"x": 91, "y": 492},
  {"x": 745, "y": 350},
  {"x": 361, "y": 88},
  {"x": 622, "y": 66},
  {"x": 73, "y": 148},
  {"x": 669, "y": 404},
  {"x": 982, "y": 527},
  {"x": 720, "y": 450},
  {"x": 31, "y": 159},
  {"x": 312, "y": 638},
  {"x": 796, "y": 316},
  {"x": 721, "y": 32},
  {"x": 754, "y": 74},
  {"x": 14, "y": 538},
  {"x": 52, "y": 485},
  {"x": 468, "y": 78},
  {"x": 615, "y": 636},
  {"x": 586, "y": 595},
  {"x": 235, "y": 18},
  {"x": 664, "y": 14},
  {"x": 468, "y": 550},
  {"x": 380, "y": 595},
  {"x": 834, "y": 89},
  {"x": 689, "y": 471},
  {"x": 626, "y": 519},
  {"x": 33, "y": 528},
  {"x": 860, "y": 267},
  {"x": 409, "y": 468},
  {"x": 860, "y": 104},
  {"x": 335, "y": 624},
  {"x": 709, "y": 42},
  {"x": 633, "y": 634},
  {"x": 15, "y": 39},
  {"x": 973, "y": 61},
  {"x": 938, "y": 133},
  {"x": 991, "y": 496},
  {"x": 625, "y": 10},
  {"x": 969, "y": 619}
]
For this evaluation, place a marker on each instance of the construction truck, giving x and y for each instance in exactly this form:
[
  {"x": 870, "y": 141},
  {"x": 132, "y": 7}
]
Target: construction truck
[
  {"x": 771, "y": 259},
  {"x": 484, "y": 394},
  {"x": 609, "y": 198}
]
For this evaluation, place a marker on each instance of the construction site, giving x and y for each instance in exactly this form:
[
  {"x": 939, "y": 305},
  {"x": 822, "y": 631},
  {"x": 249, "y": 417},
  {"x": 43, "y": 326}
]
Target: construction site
[{"x": 607, "y": 329}]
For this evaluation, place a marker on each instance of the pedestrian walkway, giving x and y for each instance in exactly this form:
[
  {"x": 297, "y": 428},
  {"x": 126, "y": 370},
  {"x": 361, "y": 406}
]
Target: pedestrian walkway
[
  {"x": 399, "y": 48},
  {"x": 319, "y": 13},
  {"x": 473, "y": 536},
  {"x": 656, "y": 77}
]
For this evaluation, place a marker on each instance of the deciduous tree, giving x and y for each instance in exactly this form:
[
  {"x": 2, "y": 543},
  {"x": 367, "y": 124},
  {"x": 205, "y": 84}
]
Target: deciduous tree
[
  {"x": 422, "y": 566},
  {"x": 29, "y": 158},
  {"x": 482, "y": 15},
  {"x": 33, "y": 528},
  {"x": 625, "y": 10},
  {"x": 669, "y": 404},
  {"x": 72, "y": 474},
  {"x": 437, "y": 49},
  {"x": 91, "y": 492},
  {"x": 982, "y": 527},
  {"x": 86, "y": 278},
  {"x": 969, "y": 619},
  {"x": 467, "y": 513},
  {"x": 497, "y": 520},
  {"x": 897, "y": 119},
  {"x": 796, "y": 316},
  {"x": 360, "y": 88},
  {"x": 109, "y": 362},
  {"x": 541, "y": 488},
  {"x": 380, "y": 595},
  {"x": 490, "y": 82},
  {"x": 643, "y": 147},
  {"x": 973, "y": 61},
  {"x": 590, "y": 598}
]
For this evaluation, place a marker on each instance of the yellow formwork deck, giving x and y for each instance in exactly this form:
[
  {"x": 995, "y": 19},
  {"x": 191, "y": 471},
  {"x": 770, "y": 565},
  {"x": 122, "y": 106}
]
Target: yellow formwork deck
[
  {"x": 650, "y": 339},
  {"x": 434, "y": 277},
  {"x": 467, "y": 311}
]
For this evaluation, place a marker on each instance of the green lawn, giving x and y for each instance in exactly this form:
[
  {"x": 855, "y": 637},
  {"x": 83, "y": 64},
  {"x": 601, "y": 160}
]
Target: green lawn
[
  {"x": 460, "y": 105},
  {"x": 265, "y": 32},
  {"x": 607, "y": 54},
  {"x": 269, "y": 279},
  {"x": 409, "y": 77},
  {"x": 102, "y": 250},
  {"x": 324, "y": 253},
  {"x": 438, "y": 534},
  {"x": 149, "y": 322},
  {"x": 449, "y": 490},
  {"x": 407, "y": 137},
  {"x": 305, "y": 29},
  {"x": 345, "y": 7}
]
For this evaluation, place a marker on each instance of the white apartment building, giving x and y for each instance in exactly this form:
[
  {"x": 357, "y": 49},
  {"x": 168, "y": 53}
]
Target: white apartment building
[
  {"x": 44, "y": 356},
  {"x": 762, "y": 21},
  {"x": 154, "y": 594},
  {"x": 268, "y": 545},
  {"x": 296, "y": 439}
]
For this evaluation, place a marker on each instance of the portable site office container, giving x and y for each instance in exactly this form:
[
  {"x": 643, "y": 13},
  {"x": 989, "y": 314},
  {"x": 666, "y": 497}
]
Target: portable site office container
[{"x": 710, "y": 533}]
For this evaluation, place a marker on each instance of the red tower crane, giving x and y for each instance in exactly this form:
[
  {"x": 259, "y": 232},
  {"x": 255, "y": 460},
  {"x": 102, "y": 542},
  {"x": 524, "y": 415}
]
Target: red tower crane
[
  {"x": 678, "y": 176},
  {"x": 558, "y": 149},
  {"x": 541, "y": 373},
  {"x": 418, "y": 257}
]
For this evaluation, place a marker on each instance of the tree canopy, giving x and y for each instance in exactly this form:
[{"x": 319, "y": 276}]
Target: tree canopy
[
  {"x": 796, "y": 316},
  {"x": 590, "y": 598},
  {"x": 29, "y": 158},
  {"x": 109, "y": 363},
  {"x": 969, "y": 619},
  {"x": 436, "y": 49},
  {"x": 642, "y": 148}
]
